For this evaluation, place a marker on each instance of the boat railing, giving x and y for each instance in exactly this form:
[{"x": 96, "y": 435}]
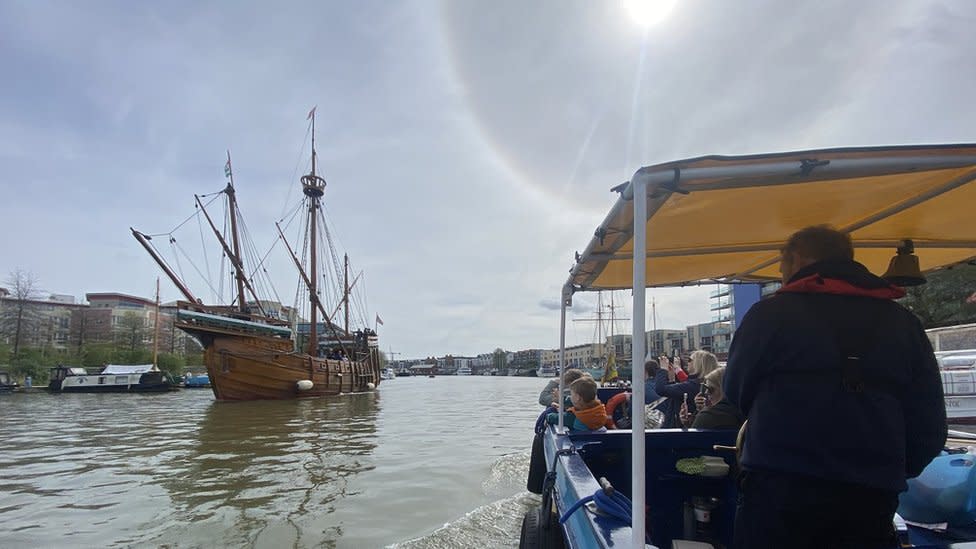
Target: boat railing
[
  {"x": 586, "y": 457},
  {"x": 228, "y": 310}
]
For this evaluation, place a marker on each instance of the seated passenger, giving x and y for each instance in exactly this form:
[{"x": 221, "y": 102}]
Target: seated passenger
[
  {"x": 714, "y": 411},
  {"x": 587, "y": 413},
  {"x": 702, "y": 364},
  {"x": 548, "y": 395}
]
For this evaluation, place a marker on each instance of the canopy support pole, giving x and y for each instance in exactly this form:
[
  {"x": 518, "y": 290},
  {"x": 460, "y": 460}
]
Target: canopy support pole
[
  {"x": 566, "y": 301},
  {"x": 637, "y": 359}
]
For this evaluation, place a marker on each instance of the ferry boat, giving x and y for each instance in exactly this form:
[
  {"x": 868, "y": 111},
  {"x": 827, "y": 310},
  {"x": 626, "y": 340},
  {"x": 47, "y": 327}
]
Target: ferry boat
[
  {"x": 463, "y": 371},
  {"x": 113, "y": 378},
  {"x": 723, "y": 219}
]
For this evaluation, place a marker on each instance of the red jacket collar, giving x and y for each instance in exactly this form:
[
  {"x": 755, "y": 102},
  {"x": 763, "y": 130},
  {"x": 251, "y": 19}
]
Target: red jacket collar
[{"x": 818, "y": 284}]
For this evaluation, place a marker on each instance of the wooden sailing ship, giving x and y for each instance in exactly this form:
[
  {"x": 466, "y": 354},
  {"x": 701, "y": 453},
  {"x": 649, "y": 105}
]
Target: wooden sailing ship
[{"x": 251, "y": 353}]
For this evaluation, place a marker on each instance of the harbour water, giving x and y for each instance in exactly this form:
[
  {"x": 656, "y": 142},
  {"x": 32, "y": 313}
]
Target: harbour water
[{"x": 421, "y": 462}]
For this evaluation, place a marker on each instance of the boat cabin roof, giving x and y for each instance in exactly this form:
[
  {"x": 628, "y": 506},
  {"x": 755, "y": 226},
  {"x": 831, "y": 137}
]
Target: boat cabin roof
[
  {"x": 119, "y": 369},
  {"x": 724, "y": 218}
]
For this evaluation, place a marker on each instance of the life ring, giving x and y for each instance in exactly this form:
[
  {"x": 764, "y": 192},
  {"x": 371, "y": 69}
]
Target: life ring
[{"x": 614, "y": 402}]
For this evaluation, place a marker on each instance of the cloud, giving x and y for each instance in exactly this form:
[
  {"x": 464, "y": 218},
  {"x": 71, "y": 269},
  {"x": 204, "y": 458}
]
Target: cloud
[{"x": 469, "y": 148}]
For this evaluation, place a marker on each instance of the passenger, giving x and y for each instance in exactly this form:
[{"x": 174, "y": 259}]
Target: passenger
[
  {"x": 652, "y": 369},
  {"x": 844, "y": 401},
  {"x": 548, "y": 394},
  {"x": 680, "y": 394},
  {"x": 587, "y": 413},
  {"x": 714, "y": 411}
]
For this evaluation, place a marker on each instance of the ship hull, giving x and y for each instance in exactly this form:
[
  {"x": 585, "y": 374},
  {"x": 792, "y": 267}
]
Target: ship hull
[{"x": 244, "y": 367}]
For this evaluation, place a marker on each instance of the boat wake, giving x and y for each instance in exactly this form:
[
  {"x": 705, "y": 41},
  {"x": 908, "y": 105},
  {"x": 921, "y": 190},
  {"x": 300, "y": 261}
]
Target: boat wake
[
  {"x": 507, "y": 474},
  {"x": 494, "y": 525}
]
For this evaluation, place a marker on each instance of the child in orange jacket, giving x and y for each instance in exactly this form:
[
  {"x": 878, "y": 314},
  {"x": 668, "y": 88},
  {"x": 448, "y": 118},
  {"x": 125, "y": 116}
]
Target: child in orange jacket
[{"x": 587, "y": 413}]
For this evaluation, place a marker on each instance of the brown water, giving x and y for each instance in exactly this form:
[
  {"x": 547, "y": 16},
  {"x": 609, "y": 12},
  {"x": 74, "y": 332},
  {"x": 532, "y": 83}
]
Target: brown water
[{"x": 421, "y": 462}]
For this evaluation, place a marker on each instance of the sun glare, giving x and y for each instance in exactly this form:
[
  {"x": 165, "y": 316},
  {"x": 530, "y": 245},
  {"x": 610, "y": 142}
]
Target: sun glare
[{"x": 648, "y": 12}]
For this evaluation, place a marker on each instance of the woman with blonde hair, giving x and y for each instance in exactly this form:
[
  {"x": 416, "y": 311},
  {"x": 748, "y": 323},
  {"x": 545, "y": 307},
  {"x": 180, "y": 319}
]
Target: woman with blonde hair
[
  {"x": 703, "y": 363},
  {"x": 679, "y": 404},
  {"x": 714, "y": 412}
]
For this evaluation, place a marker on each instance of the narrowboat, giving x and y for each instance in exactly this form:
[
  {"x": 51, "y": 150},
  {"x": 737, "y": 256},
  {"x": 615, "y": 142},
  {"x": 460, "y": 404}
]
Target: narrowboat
[
  {"x": 720, "y": 219},
  {"x": 113, "y": 378}
]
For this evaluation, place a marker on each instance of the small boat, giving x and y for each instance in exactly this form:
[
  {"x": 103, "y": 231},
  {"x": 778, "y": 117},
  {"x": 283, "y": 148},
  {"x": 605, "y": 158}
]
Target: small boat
[
  {"x": 388, "y": 373},
  {"x": 252, "y": 350},
  {"x": 196, "y": 381},
  {"x": 958, "y": 370},
  {"x": 547, "y": 371},
  {"x": 723, "y": 219},
  {"x": 113, "y": 378},
  {"x": 6, "y": 383},
  {"x": 464, "y": 371}
]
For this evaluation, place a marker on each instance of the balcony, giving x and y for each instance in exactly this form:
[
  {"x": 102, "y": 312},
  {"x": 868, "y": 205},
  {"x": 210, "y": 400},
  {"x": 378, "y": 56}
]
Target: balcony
[
  {"x": 721, "y": 304},
  {"x": 722, "y": 291}
]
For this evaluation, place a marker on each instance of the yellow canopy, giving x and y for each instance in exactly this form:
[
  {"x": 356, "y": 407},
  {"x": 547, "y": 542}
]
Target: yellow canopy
[{"x": 720, "y": 218}]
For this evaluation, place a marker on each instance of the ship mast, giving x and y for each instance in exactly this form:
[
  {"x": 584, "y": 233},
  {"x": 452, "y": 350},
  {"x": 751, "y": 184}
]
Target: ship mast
[
  {"x": 156, "y": 329},
  {"x": 314, "y": 187},
  {"x": 345, "y": 290},
  {"x": 232, "y": 202}
]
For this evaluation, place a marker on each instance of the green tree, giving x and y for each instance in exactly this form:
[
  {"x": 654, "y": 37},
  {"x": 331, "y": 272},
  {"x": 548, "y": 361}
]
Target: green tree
[
  {"x": 942, "y": 301},
  {"x": 171, "y": 363},
  {"x": 499, "y": 359},
  {"x": 95, "y": 355}
]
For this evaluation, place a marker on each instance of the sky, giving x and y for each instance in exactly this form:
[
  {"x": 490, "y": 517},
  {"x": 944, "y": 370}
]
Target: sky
[{"x": 469, "y": 147}]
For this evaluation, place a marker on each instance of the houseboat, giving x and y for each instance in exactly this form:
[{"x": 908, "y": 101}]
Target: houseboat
[
  {"x": 6, "y": 383},
  {"x": 113, "y": 378}
]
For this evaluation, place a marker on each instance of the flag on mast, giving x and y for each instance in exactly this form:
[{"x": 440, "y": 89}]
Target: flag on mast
[
  {"x": 311, "y": 113},
  {"x": 227, "y": 169},
  {"x": 379, "y": 321}
]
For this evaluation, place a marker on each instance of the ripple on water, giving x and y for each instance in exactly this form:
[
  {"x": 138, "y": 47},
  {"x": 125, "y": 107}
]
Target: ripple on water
[{"x": 439, "y": 461}]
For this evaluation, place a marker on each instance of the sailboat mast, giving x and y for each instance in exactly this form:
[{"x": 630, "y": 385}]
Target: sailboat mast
[
  {"x": 345, "y": 291},
  {"x": 314, "y": 187},
  {"x": 232, "y": 202},
  {"x": 156, "y": 329}
]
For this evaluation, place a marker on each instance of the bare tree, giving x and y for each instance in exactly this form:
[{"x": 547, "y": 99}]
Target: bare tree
[
  {"x": 132, "y": 332},
  {"x": 18, "y": 314}
]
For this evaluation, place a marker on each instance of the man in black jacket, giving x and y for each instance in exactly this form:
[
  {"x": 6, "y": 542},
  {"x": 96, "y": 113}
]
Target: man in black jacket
[{"x": 843, "y": 397}]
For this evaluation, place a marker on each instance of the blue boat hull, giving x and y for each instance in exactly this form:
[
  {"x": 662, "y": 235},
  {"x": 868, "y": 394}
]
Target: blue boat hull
[{"x": 575, "y": 462}]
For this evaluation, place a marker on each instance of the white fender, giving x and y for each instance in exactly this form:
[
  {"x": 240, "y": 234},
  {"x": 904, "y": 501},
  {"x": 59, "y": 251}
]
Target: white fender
[
  {"x": 304, "y": 384},
  {"x": 370, "y": 386}
]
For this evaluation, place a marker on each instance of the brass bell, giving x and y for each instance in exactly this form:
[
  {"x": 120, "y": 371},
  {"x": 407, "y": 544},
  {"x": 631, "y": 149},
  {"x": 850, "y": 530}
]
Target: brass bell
[{"x": 903, "y": 270}]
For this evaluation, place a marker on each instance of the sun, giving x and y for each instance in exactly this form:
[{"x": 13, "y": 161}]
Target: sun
[{"x": 648, "y": 12}]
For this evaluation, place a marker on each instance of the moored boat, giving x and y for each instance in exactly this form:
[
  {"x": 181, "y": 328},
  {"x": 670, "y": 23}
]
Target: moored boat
[
  {"x": 252, "y": 351},
  {"x": 113, "y": 378},
  {"x": 914, "y": 199},
  {"x": 958, "y": 370},
  {"x": 7, "y": 383},
  {"x": 196, "y": 381}
]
